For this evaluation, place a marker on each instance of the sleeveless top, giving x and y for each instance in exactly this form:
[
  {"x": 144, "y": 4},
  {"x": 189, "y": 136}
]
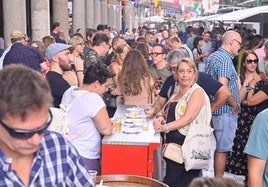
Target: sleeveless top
[{"x": 203, "y": 116}]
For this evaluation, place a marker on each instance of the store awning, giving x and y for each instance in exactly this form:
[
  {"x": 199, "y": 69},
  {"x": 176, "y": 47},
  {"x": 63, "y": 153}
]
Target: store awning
[
  {"x": 204, "y": 18},
  {"x": 256, "y": 14}
]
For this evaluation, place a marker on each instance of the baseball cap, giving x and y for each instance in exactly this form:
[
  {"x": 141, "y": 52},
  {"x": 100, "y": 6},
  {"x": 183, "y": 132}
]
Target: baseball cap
[
  {"x": 55, "y": 48},
  {"x": 17, "y": 34}
]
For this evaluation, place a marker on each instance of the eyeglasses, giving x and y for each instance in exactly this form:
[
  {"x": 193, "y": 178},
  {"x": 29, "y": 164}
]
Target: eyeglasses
[
  {"x": 240, "y": 43},
  {"x": 156, "y": 54},
  {"x": 26, "y": 134},
  {"x": 171, "y": 69},
  {"x": 255, "y": 61},
  {"x": 81, "y": 44}
]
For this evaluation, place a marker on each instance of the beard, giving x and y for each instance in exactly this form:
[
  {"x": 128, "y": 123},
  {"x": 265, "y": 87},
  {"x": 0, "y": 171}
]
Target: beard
[{"x": 65, "y": 66}]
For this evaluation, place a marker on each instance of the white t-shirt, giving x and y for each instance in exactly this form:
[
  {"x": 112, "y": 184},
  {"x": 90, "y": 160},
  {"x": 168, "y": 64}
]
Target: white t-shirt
[{"x": 83, "y": 133}]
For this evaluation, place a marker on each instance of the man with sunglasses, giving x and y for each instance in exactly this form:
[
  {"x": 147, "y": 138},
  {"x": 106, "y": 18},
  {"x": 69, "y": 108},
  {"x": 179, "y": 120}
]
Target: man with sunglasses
[
  {"x": 224, "y": 120},
  {"x": 30, "y": 155}
]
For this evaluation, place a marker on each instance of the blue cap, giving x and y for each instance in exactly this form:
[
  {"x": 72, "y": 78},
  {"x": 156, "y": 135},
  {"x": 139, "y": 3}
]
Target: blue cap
[{"x": 54, "y": 49}]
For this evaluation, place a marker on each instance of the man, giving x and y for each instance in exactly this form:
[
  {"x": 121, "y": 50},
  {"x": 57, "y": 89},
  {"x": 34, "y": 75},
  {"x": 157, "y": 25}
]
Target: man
[
  {"x": 172, "y": 32},
  {"x": 159, "y": 67},
  {"x": 150, "y": 39},
  {"x": 55, "y": 29},
  {"x": 210, "y": 85},
  {"x": 116, "y": 41},
  {"x": 207, "y": 45},
  {"x": 224, "y": 120},
  {"x": 165, "y": 36},
  {"x": 257, "y": 152},
  {"x": 101, "y": 45},
  {"x": 30, "y": 155},
  {"x": 60, "y": 60},
  {"x": 174, "y": 43},
  {"x": 21, "y": 53},
  {"x": 89, "y": 39}
]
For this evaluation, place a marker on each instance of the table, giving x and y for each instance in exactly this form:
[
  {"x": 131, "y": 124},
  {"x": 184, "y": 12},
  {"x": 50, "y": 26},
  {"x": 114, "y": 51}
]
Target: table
[{"x": 130, "y": 153}]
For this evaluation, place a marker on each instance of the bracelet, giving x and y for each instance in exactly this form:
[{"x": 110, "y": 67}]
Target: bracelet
[
  {"x": 79, "y": 71},
  {"x": 158, "y": 115},
  {"x": 166, "y": 128},
  {"x": 251, "y": 88}
]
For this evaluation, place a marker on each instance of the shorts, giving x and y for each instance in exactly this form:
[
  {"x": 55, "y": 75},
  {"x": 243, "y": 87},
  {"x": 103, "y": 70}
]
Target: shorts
[{"x": 224, "y": 130}]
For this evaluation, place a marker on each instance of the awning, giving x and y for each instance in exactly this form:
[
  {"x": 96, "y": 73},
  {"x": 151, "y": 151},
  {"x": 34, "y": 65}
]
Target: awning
[
  {"x": 256, "y": 14},
  {"x": 204, "y": 18},
  {"x": 158, "y": 19}
]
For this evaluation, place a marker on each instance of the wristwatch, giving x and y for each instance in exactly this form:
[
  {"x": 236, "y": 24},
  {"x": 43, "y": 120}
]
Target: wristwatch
[{"x": 166, "y": 128}]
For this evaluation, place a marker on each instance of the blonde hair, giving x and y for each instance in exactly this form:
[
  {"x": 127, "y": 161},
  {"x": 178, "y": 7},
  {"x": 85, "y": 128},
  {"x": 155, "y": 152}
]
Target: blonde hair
[
  {"x": 74, "y": 41},
  {"x": 191, "y": 64}
]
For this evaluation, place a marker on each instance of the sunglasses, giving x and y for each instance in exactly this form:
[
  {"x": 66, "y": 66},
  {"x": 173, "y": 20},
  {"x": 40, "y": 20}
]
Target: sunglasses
[
  {"x": 240, "y": 43},
  {"x": 171, "y": 69},
  {"x": 156, "y": 54},
  {"x": 26, "y": 134},
  {"x": 255, "y": 61}
]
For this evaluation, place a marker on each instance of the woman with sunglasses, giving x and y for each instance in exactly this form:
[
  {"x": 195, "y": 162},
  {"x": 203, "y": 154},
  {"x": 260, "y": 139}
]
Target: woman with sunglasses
[
  {"x": 88, "y": 116},
  {"x": 251, "y": 83},
  {"x": 76, "y": 50}
]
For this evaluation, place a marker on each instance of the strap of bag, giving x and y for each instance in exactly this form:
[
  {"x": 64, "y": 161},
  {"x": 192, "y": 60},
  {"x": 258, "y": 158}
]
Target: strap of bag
[{"x": 70, "y": 106}]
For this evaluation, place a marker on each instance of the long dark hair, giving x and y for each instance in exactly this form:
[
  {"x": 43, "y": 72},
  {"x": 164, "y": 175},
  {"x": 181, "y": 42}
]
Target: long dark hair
[{"x": 242, "y": 68}]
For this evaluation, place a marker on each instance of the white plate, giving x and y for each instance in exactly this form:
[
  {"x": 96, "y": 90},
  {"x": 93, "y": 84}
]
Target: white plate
[
  {"x": 134, "y": 120},
  {"x": 131, "y": 131},
  {"x": 97, "y": 185},
  {"x": 133, "y": 109},
  {"x": 133, "y": 116}
]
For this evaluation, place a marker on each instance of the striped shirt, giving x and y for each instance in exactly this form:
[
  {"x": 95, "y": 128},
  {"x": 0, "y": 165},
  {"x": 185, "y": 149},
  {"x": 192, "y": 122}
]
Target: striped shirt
[
  {"x": 220, "y": 64},
  {"x": 56, "y": 163}
]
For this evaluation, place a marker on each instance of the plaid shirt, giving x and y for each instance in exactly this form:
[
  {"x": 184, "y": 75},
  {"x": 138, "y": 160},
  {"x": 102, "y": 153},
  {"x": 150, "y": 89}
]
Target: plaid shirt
[
  {"x": 24, "y": 54},
  {"x": 220, "y": 64},
  {"x": 56, "y": 163}
]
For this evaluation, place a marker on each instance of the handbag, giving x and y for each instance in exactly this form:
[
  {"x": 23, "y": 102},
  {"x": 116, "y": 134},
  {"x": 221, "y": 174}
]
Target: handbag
[
  {"x": 196, "y": 148},
  {"x": 173, "y": 152},
  {"x": 109, "y": 99}
]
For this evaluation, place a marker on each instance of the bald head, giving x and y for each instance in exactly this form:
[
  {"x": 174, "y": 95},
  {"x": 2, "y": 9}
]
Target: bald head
[
  {"x": 229, "y": 35},
  {"x": 231, "y": 42}
]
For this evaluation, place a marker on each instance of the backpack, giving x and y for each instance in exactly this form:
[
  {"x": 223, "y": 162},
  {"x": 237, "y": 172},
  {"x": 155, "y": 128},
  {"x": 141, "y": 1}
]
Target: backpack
[{"x": 60, "y": 120}]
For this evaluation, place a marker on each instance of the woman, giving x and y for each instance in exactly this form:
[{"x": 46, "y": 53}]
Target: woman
[
  {"x": 188, "y": 104},
  {"x": 198, "y": 54},
  {"x": 76, "y": 50},
  {"x": 251, "y": 83},
  {"x": 144, "y": 49},
  {"x": 88, "y": 116},
  {"x": 135, "y": 81},
  {"x": 117, "y": 61}
]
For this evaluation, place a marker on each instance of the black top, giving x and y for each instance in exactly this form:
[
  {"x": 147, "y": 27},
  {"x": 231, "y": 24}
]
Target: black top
[
  {"x": 58, "y": 86},
  {"x": 205, "y": 81}
]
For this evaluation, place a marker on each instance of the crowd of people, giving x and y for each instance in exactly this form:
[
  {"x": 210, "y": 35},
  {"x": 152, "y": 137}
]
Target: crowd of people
[{"x": 182, "y": 74}]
